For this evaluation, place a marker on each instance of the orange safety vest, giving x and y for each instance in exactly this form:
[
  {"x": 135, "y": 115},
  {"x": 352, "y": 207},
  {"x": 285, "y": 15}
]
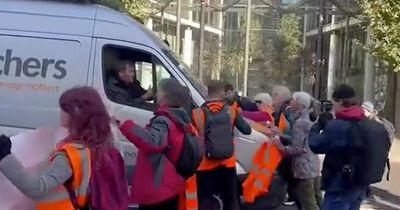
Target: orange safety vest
[
  {"x": 79, "y": 157},
  {"x": 282, "y": 122},
  {"x": 265, "y": 162},
  {"x": 199, "y": 121},
  {"x": 188, "y": 201}
]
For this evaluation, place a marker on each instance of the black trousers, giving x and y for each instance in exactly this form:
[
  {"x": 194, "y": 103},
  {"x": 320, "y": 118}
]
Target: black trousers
[
  {"x": 285, "y": 169},
  {"x": 218, "y": 186},
  {"x": 171, "y": 204}
]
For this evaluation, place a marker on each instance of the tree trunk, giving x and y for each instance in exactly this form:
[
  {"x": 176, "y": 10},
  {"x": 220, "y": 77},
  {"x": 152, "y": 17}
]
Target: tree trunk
[
  {"x": 397, "y": 105},
  {"x": 392, "y": 106},
  {"x": 237, "y": 79}
]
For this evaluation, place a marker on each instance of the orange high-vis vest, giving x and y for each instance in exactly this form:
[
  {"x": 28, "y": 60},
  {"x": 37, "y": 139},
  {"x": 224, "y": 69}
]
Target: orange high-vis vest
[
  {"x": 265, "y": 163},
  {"x": 199, "y": 122},
  {"x": 282, "y": 122},
  {"x": 188, "y": 201},
  {"x": 79, "y": 157}
]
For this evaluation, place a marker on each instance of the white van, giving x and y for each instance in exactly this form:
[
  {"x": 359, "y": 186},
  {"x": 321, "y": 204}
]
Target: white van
[{"x": 48, "y": 47}]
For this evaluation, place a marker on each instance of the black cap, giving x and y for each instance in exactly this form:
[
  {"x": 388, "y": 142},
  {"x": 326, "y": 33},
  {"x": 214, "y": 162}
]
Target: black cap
[
  {"x": 247, "y": 105},
  {"x": 343, "y": 92}
]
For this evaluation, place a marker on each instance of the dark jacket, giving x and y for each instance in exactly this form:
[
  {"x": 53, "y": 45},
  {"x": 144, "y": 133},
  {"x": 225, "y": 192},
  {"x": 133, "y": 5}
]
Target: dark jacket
[
  {"x": 160, "y": 144},
  {"x": 333, "y": 141},
  {"x": 121, "y": 93}
]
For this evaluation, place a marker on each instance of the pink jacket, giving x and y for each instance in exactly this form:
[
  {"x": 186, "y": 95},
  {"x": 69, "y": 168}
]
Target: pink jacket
[{"x": 160, "y": 144}]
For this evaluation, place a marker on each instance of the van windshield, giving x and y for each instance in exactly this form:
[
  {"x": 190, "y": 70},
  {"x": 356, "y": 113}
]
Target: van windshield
[{"x": 197, "y": 83}]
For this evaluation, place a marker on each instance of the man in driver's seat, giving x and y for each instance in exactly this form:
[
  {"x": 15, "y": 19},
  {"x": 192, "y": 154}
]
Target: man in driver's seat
[{"x": 124, "y": 88}]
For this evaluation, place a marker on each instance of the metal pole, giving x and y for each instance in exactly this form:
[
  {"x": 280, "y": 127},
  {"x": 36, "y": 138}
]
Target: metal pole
[
  {"x": 201, "y": 38},
  {"x": 247, "y": 48},
  {"x": 162, "y": 27},
  {"x": 319, "y": 50},
  {"x": 303, "y": 62},
  {"x": 178, "y": 26}
]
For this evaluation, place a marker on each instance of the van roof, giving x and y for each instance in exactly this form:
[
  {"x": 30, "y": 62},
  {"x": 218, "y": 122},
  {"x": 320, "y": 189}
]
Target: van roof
[{"x": 81, "y": 18}]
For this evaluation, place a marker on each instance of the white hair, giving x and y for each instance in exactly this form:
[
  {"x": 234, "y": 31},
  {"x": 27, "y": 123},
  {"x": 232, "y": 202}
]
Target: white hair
[
  {"x": 302, "y": 98},
  {"x": 281, "y": 92},
  {"x": 264, "y": 98}
]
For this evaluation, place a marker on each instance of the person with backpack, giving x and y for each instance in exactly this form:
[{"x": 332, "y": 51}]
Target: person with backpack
[
  {"x": 216, "y": 175},
  {"x": 85, "y": 171},
  {"x": 355, "y": 148},
  {"x": 169, "y": 153},
  {"x": 371, "y": 113}
]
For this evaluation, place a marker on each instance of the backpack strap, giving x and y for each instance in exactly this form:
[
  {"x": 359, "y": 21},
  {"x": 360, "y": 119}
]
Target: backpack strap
[
  {"x": 187, "y": 128},
  {"x": 388, "y": 168},
  {"x": 198, "y": 117},
  {"x": 72, "y": 195}
]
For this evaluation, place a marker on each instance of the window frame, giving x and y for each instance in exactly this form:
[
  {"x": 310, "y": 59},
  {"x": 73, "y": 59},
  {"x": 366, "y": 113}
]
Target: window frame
[{"x": 155, "y": 61}]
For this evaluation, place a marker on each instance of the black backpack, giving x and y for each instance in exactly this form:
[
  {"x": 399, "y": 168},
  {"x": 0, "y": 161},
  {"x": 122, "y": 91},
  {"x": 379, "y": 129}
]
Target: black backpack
[
  {"x": 367, "y": 153},
  {"x": 218, "y": 134},
  {"x": 192, "y": 152}
]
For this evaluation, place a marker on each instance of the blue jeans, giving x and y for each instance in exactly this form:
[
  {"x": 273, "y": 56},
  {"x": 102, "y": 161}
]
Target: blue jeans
[{"x": 349, "y": 200}]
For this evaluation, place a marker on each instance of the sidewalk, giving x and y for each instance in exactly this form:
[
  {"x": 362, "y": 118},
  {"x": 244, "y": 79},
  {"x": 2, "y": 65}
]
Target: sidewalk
[{"x": 395, "y": 151}]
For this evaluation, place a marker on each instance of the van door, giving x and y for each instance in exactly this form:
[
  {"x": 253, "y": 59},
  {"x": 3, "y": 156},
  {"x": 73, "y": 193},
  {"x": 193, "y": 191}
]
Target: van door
[
  {"x": 34, "y": 70},
  {"x": 149, "y": 68}
]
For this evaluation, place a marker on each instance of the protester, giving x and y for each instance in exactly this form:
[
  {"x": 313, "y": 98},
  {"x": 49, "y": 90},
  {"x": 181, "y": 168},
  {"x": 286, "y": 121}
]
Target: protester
[
  {"x": 156, "y": 182},
  {"x": 229, "y": 94},
  {"x": 305, "y": 164},
  {"x": 371, "y": 113},
  {"x": 123, "y": 87},
  {"x": 281, "y": 97},
  {"x": 85, "y": 171},
  {"x": 217, "y": 173},
  {"x": 339, "y": 142}
]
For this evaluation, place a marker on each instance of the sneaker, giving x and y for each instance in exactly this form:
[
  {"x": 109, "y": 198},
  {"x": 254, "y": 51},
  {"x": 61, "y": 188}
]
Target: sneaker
[{"x": 289, "y": 203}]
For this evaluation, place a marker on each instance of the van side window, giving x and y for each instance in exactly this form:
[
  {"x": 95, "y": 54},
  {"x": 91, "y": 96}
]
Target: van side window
[{"x": 131, "y": 76}]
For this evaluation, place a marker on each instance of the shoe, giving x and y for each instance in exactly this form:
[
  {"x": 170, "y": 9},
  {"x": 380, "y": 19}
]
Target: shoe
[{"x": 289, "y": 203}]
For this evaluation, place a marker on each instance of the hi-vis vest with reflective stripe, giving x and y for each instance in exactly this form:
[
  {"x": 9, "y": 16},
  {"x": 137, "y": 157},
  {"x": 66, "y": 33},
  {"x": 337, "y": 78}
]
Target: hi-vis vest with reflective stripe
[
  {"x": 265, "y": 162},
  {"x": 189, "y": 201},
  {"x": 199, "y": 122},
  {"x": 59, "y": 198}
]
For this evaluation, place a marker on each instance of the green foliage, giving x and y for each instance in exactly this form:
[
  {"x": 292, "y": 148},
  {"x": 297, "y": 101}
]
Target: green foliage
[
  {"x": 141, "y": 10},
  {"x": 256, "y": 42},
  {"x": 284, "y": 51},
  {"x": 384, "y": 26},
  {"x": 289, "y": 33}
]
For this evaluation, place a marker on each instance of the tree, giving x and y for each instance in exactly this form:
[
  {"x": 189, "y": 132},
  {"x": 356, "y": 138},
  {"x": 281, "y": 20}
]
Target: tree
[
  {"x": 232, "y": 58},
  {"x": 284, "y": 51},
  {"x": 384, "y": 27},
  {"x": 141, "y": 10}
]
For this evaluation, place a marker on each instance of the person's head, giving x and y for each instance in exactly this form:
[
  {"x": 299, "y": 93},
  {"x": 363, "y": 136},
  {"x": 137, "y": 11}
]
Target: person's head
[
  {"x": 126, "y": 71},
  {"x": 247, "y": 105},
  {"x": 369, "y": 109},
  {"x": 216, "y": 90},
  {"x": 280, "y": 94},
  {"x": 300, "y": 101},
  {"x": 85, "y": 116},
  {"x": 229, "y": 92},
  {"x": 343, "y": 97},
  {"x": 263, "y": 100},
  {"x": 172, "y": 94}
]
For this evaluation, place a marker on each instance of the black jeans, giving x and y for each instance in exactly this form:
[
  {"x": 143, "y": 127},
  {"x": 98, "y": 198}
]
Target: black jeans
[
  {"x": 221, "y": 182},
  {"x": 171, "y": 204},
  {"x": 285, "y": 170}
]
